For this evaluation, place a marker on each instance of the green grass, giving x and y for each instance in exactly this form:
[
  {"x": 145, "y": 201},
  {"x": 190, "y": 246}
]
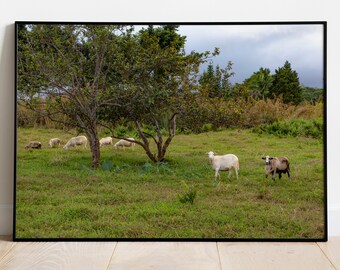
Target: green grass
[{"x": 60, "y": 196}]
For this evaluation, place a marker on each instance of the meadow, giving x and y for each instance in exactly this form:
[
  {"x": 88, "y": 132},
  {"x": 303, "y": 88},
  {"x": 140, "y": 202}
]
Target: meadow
[{"x": 58, "y": 194}]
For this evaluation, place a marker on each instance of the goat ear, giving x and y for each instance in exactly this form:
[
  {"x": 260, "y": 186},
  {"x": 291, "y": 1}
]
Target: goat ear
[
  {"x": 270, "y": 158},
  {"x": 263, "y": 158}
]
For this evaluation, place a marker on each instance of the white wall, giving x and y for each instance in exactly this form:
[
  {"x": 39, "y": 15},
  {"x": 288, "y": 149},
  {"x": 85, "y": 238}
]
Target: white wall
[{"x": 147, "y": 11}]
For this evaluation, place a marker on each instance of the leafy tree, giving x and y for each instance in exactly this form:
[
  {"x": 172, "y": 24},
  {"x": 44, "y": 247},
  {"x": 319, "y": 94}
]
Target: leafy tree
[
  {"x": 166, "y": 36},
  {"x": 154, "y": 76},
  {"x": 260, "y": 83},
  {"x": 70, "y": 67},
  {"x": 286, "y": 83}
]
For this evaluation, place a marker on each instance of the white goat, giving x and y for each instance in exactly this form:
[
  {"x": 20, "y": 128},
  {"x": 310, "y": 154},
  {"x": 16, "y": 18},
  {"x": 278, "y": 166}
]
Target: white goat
[
  {"x": 124, "y": 143},
  {"x": 54, "y": 142},
  {"x": 224, "y": 163},
  {"x": 80, "y": 140},
  {"x": 105, "y": 141},
  {"x": 277, "y": 165}
]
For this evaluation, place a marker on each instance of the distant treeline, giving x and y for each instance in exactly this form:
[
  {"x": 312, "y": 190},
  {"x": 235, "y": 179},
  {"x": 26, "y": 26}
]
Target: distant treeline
[{"x": 312, "y": 94}]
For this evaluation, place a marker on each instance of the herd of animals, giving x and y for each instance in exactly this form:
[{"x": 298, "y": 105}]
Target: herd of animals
[
  {"x": 81, "y": 141},
  {"x": 273, "y": 165}
]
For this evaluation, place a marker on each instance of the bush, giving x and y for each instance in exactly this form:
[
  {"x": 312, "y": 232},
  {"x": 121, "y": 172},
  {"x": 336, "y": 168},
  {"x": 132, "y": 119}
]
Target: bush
[
  {"x": 293, "y": 128},
  {"x": 121, "y": 131},
  {"x": 213, "y": 113},
  {"x": 201, "y": 114},
  {"x": 265, "y": 112},
  {"x": 207, "y": 127}
]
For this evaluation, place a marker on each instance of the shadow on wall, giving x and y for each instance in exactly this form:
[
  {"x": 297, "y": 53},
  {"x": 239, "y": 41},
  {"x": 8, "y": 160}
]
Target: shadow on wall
[{"x": 7, "y": 136}]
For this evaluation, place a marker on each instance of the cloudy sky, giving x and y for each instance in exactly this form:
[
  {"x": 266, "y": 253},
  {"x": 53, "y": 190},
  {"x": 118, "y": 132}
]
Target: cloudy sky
[{"x": 250, "y": 47}]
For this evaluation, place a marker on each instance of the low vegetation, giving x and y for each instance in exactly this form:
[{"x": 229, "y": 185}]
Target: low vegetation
[
  {"x": 58, "y": 194},
  {"x": 298, "y": 127}
]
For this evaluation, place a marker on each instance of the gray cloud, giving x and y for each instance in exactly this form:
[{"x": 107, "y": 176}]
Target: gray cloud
[{"x": 250, "y": 47}]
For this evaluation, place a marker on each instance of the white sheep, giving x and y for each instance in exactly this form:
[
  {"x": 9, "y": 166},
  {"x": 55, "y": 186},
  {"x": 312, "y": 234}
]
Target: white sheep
[
  {"x": 105, "y": 141},
  {"x": 54, "y": 142},
  {"x": 80, "y": 140},
  {"x": 277, "y": 165},
  {"x": 224, "y": 163},
  {"x": 124, "y": 143}
]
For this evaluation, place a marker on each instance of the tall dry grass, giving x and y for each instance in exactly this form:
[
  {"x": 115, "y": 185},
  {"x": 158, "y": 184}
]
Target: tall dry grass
[{"x": 269, "y": 111}]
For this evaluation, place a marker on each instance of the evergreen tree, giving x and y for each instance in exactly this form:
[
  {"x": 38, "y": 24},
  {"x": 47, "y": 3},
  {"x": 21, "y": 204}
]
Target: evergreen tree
[
  {"x": 215, "y": 82},
  {"x": 286, "y": 83}
]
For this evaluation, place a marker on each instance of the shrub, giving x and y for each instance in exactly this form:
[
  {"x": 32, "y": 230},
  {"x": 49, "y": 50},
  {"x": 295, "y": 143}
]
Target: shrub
[
  {"x": 121, "y": 131},
  {"x": 297, "y": 127},
  {"x": 207, "y": 127},
  {"x": 215, "y": 113}
]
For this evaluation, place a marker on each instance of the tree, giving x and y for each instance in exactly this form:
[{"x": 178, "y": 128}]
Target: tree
[
  {"x": 286, "y": 83},
  {"x": 260, "y": 83},
  {"x": 214, "y": 83},
  {"x": 154, "y": 75},
  {"x": 70, "y": 68}
]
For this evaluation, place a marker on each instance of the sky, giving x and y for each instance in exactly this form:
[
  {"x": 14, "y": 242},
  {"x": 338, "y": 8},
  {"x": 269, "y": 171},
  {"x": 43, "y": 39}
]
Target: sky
[{"x": 250, "y": 47}]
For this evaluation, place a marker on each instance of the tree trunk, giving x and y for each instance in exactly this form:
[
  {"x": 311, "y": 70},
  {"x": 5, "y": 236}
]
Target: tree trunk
[
  {"x": 92, "y": 136},
  {"x": 145, "y": 143},
  {"x": 161, "y": 148},
  {"x": 172, "y": 132}
]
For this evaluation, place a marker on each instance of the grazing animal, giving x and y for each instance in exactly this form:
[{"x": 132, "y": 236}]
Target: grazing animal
[
  {"x": 105, "y": 141},
  {"x": 80, "y": 140},
  {"x": 277, "y": 165},
  {"x": 33, "y": 145},
  {"x": 224, "y": 163},
  {"x": 124, "y": 143},
  {"x": 54, "y": 142}
]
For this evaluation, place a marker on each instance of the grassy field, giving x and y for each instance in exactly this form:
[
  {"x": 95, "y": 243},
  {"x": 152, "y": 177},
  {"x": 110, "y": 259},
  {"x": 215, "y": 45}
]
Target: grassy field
[{"x": 60, "y": 196}]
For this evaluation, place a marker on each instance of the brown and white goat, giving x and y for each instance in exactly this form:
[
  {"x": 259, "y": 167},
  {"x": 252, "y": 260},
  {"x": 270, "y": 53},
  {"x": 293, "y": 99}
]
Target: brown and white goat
[
  {"x": 33, "y": 145},
  {"x": 277, "y": 165}
]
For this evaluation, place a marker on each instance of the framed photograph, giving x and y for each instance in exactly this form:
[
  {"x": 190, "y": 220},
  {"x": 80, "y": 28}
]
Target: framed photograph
[{"x": 170, "y": 131}]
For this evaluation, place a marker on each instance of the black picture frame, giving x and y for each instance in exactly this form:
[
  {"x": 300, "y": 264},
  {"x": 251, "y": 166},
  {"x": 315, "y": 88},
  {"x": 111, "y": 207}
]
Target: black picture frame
[{"x": 17, "y": 195}]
